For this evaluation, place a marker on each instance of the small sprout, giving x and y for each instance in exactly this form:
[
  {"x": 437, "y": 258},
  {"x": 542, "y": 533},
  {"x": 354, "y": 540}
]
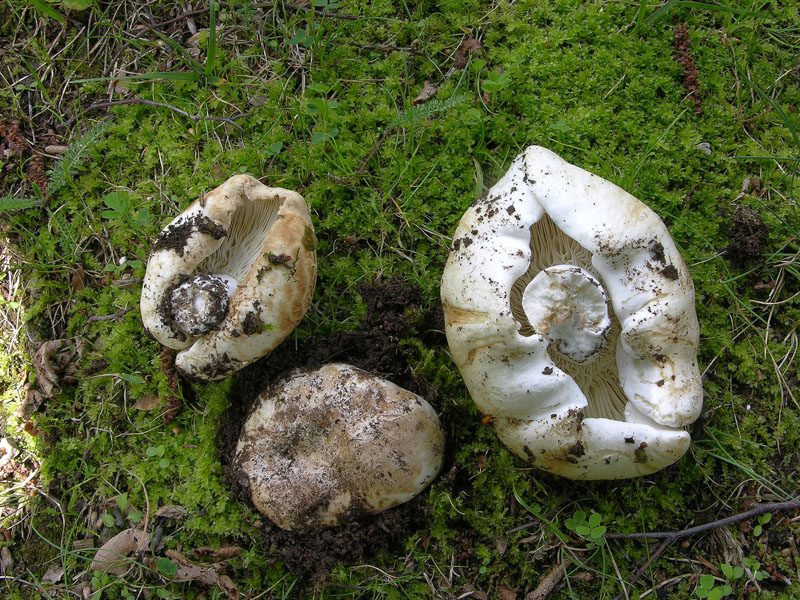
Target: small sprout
[{"x": 762, "y": 520}]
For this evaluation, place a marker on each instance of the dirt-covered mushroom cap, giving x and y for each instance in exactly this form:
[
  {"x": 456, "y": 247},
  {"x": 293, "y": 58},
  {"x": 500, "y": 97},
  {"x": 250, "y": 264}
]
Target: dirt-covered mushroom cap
[
  {"x": 325, "y": 445},
  {"x": 536, "y": 266},
  {"x": 230, "y": 277}
]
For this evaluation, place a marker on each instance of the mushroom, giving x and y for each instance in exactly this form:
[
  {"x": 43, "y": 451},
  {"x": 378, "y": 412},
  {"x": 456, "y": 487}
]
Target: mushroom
[
  {"x": 321, "y": 446},
  {"x": 230, "y": 277},
  {"x": 570, "y": 314}
]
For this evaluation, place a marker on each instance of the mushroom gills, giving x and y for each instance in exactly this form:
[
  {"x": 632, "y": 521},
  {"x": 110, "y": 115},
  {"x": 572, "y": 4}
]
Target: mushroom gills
[
  {"x": 200, "y": 303},
  {"x": 597, "y": 374}
]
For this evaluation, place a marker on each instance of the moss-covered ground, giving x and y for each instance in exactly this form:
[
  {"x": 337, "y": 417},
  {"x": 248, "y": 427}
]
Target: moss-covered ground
[{"x": 324, "y": 102}]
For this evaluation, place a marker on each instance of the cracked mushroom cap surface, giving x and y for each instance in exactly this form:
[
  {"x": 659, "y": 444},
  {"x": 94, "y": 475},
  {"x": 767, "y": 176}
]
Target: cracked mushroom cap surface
[
  {"x": 230, "y": 277},
  {"x": 570, "y": 315},
  {"x": 324, "y": 445}
]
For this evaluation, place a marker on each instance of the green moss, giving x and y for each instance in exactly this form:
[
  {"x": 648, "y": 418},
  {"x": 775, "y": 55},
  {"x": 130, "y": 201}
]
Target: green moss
[{"x": 387, "y": 182}]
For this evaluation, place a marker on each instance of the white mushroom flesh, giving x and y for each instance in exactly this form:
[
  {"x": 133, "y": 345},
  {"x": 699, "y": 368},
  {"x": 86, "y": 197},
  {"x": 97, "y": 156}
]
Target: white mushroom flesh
[
  {"x": 619, "y": 412},
  {"x": 567, "y": 305},
  {"x": 322, "y": 446}
]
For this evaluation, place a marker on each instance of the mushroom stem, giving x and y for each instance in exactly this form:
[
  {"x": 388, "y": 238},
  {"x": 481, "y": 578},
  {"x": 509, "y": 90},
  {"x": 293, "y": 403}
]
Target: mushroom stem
[
  {"x": 568, "y": 306},
  {"x": 200, "y": 303}
]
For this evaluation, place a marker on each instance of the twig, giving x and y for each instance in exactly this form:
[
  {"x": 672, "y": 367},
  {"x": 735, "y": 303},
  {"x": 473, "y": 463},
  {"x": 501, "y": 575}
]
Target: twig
[
  {"x": 289, "y": 5},
  {"x": 194, "y": 118},
  {"x": 382, "y": 48},
  {"x": 322, "y": 13},
  {"x": 548, "y": 583},
  {"x": 676, "y": 535},
  {"x": 111, "y": 317},
  {"x": 669, "y": 537}
]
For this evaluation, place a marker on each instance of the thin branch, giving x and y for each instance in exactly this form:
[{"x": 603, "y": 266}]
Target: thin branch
[
  {"x": 289, "y": 5},
  {"x": 676, "y": 535},
  {"x": 194, "y": 118},
  {"x": 669, "y": 537},
  {"x": 548, "y": 583},
  {"x": 111, "y": 317},
  {"x": 321, "y": 13},
  {"x": 383, "y": 48}
]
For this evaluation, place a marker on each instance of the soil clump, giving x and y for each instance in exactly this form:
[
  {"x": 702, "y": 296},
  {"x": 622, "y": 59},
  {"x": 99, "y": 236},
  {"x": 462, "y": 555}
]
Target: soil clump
[{"x": 748, "y": 235}]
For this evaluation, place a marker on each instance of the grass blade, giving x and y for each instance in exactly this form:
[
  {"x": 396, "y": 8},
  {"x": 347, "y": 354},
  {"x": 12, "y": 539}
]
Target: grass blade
[{"x": 211, "y": 51}]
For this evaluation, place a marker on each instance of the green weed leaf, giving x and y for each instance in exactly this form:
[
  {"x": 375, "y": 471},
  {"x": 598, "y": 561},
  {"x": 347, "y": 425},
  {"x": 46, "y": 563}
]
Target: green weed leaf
[
  {"x": 11, "y": 203},
  {"x": 273, "y": 149},
  {"x": 166, "y": 567},
  {"x": 131, "y": 378}
]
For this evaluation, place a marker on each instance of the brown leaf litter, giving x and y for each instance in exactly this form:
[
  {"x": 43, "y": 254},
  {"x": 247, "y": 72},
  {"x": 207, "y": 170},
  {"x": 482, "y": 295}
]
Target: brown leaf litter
[{"x": 691, "y": 78}]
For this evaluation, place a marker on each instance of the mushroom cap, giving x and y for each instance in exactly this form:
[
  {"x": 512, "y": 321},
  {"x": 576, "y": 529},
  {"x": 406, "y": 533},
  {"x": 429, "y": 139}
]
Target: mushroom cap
[
  {"x": 620, "y": 413},
  {"x": 323, "y": 445},
  {"x": 262, "y": 238}
]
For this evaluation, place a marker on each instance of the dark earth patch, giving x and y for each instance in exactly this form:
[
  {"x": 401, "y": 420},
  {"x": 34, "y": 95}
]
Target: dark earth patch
[
  {"x": 175, "y": 235},
  {"x": 393, "y": 311},
  {"x": 748, "y": 235}
]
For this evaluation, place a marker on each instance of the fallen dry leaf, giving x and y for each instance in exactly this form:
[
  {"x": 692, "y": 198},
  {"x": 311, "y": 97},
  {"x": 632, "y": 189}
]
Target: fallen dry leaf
[
  {"x": 147, "y": 402},
  {"x": 172, "y": 512},
  {"x": 223, "y": 553},
  {"x": 78, "y": 278},
  {"x": 32, "y": 401},
  {"x": 428, "y": 91},
  {"x": 53, "y": 574},
  {"x": 549, "y": 582},
  {"x": 6, "y": 562},
  {"x": 111, "y": 557},
  {"x": 45, "y": 368},
  {"x": 56, "y": 361},
  {"x": 212, "y": 574},
  {"x": 468, "y": 46},
  {"x": 507, "y": 594}
]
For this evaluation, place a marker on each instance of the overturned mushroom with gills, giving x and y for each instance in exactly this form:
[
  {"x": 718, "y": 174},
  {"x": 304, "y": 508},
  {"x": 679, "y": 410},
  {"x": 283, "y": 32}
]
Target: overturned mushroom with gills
[
  {"x": 230, "y": 277},
  {"x": 570, "y": 315}
]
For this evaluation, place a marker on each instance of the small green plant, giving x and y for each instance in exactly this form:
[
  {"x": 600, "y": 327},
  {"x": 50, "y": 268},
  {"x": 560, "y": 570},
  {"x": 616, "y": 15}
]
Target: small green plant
[
  {"x": 132, "y": 514},
  {"x": 64, "y": 170},
  {"x": 755, "y": 568},
  {"x": 100, "y": 581},
  {"x": 166, "y": 567},
  {"x": 158, "y": 452},
  {"x": 590, "y": 529},
  {"x": 762, "y": 520},
  {"x": 707, "y": 588}
]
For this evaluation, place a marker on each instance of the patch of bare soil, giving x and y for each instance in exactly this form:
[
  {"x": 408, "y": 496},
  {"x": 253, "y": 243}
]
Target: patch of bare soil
[
  {"x": 748, "y": 235},
  {"x": 393, "y": 310}
]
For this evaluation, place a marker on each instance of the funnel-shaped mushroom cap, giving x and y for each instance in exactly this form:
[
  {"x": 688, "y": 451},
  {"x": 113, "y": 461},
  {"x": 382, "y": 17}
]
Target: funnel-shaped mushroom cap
[
  {"x": 241, "y": 261},
  {"x": 324, "y": 445},
  {"x": 536, "y": 266}
]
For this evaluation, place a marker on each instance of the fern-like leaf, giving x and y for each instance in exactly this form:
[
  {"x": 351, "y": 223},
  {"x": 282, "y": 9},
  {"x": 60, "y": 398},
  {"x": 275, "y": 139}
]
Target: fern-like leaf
[
  {"x": 72, "y": 160},
  {"x": 11, "y": 203},
  {"x": 424, "y": 111}
]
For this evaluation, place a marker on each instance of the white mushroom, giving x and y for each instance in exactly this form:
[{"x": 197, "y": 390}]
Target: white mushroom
[
  {"x": 570, "y": 314},
  {"x": 230, "y": 277},
  {"x": 322, "y": 446}
]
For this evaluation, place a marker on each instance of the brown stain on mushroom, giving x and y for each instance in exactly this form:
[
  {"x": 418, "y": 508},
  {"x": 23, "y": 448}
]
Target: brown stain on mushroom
[{"x": 455, "y": 316}]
